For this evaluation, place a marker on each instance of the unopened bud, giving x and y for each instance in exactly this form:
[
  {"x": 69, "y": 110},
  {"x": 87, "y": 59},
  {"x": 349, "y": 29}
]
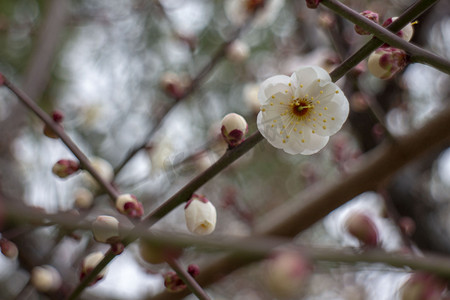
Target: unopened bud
[
  {"x": 363, "y": 228},
  {"x": 83, "y": 198},
  {"x": 106, "y": 229},
  {"x": 174, "y": 85},
  {"x": 58, "y": 117},
  {"x": 385, "y": 62},
  {"x": 8, "y": 248},
  {"x": 65, "y": 167},
  {"x": 45, "y": 279},
  {"x": 89, "y": 263},
  {"x": 238, "y": 51},
  {"x": 234, "y": 128},
  {"x": 406, "y": 33},
  {"x": 422, "y": 286},
  {"x": 127, "y": 204},
  {"x": 312, "y": 3},
  {"x": 103, "y": 168},
  {"x": 373, "y": 16},
  {"x": 200, "y": 215},
  {"x": 173, "y": 282},
  {"x": 287, "y": 272},
  {"x": 193, "y": 270},
  {"x": 156, "y": 254}
]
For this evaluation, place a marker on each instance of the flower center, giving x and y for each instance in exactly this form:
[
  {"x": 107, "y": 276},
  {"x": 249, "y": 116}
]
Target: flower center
[
  {"x": 253, "y": 5},
  {"x": 301, "y": 107}
]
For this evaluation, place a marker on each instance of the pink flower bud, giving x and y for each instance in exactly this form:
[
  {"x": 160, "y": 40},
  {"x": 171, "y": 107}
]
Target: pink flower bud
[
  {"x": 234, "y": 128},
  {"x": 385, "y": 62},
  {"x": 106, "y": 229},
  {"x": 58, "y": 117},
  {"x": 174, "y": 85},
  {"x": 45, "y": 279},
  {"x": 9, "y": 249},
  {"x": 127, "y": 204},
  {"x": 156, "y": 254},
  {"x": 287, "y": 272},
  {"x": 373, "y": 16},
  {"x": 65, "y": 167},
  {"x": 363, "y": 228},
  {"x": 238, "y": 51},
  {"x": 193, "y": 270},
  {"x": 422, "y": 286},
  {"x": 312, "y": 3},
  {"x": 173, "y": 283},
  {"x": 89, "y": 263},
  {"x": 200, "y": 215},
  {"x": 406, "y": 33}
]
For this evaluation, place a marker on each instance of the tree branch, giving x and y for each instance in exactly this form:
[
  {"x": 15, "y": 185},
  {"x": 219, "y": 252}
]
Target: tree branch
[{"x": 410, "y": 14}]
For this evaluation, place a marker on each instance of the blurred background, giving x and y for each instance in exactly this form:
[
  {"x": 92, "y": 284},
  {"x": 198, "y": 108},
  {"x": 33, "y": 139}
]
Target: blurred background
[{"x": 160, "y": 75}]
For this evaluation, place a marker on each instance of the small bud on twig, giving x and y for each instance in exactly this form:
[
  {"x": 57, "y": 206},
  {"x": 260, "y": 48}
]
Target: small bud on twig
[
  {"x": 200, "y": 215},
  {"x": 65, "y": 167},
  {"x": 106, "y": 229},
  {"x": 373, "y": 16},
  {"x": 363, "y": 228},
  {"x": 234, "y": 128},
  {"x": 385, "y": 62},
  {"x": 127, "y": 204},
  {"x": 89, "y": 263}
]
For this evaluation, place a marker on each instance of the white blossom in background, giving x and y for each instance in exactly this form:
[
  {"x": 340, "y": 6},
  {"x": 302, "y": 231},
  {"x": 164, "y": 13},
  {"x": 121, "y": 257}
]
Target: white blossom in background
[
  {"x": 266, "y": 11},
  {"x": 104, "y": 169},
  {"x": 83, "y": 198},
  {"x": 299, "y": 113},
  {"x": 238, "y": 51},
  {"x": 250, "y": 95},
  {"x": 200, "y": 215},
  {"x": 45, "y": 278}
]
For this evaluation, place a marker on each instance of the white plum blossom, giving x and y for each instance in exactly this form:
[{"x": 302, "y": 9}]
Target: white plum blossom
[
  {"x": 299, "y": 113},
  {"x": 265, "y": 11}
]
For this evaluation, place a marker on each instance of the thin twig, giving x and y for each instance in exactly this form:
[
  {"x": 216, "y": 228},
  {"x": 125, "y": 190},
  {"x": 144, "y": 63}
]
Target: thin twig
[
  {"x": 216, "y": 58},
  {"x": 193, "y": 286},
  {"x": 405, "y": 18},
  {"x": 84, "y": 161}
]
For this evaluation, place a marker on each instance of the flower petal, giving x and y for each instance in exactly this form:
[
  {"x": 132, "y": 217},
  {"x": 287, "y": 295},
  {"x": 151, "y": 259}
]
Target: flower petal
[
  {"x": 309, "y": 75},
  {"x": 270, "y": 130},
  {"x": 271, "y": 86}
]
